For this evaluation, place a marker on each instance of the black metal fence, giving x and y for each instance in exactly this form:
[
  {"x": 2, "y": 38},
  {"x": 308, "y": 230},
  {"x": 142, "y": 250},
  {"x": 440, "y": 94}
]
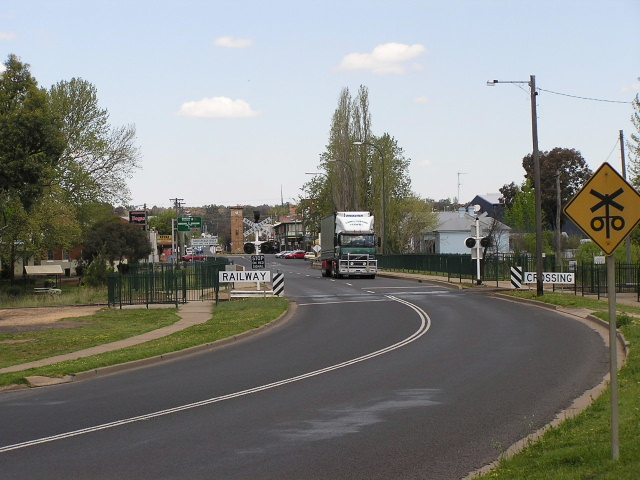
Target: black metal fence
[
  {"x": 147, "y": 284},
  {"x": 591, "y": 279},
  {"x": 455, "y": 266}
]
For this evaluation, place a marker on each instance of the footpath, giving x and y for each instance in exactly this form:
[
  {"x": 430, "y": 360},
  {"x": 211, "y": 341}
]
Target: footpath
[{"x": 194, "y": 313}]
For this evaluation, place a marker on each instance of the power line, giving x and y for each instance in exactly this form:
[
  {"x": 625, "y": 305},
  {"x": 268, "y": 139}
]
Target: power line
[{"x": 582, "y": 98}]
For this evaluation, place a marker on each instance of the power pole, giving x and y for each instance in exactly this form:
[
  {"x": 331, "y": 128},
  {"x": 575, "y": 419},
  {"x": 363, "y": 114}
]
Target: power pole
[
  {"x": 177, "y": 204},
  {"x": 624, "y": 175}
]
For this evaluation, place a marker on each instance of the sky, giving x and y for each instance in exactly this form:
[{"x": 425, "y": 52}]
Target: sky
[{"x": 232, "y": 100}]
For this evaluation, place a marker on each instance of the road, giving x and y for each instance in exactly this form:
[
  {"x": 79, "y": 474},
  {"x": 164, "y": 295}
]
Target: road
[{"x": 371, "y": 379}]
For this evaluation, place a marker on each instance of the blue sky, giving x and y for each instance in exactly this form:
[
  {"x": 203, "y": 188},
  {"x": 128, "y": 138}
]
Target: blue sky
[{"x": 232, "y": 100}]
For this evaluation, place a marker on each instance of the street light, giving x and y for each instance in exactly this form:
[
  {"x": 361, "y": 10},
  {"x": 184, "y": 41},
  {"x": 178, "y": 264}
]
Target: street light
[
  {"x": 384, "y": 196},
  {"x": 353, "y": 181},
  {"x": 536, "y": 175}
]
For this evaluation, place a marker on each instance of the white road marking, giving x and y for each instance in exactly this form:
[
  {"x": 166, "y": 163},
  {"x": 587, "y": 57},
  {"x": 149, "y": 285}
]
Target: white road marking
[{"x": 425, "y": 324}]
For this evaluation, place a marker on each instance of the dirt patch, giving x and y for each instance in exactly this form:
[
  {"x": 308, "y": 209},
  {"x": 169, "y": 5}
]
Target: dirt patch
[{"x": 15, "y": 320}]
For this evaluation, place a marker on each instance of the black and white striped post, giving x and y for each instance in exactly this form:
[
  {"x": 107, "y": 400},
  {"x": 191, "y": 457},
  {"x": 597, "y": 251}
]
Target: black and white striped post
[
  {"x": 516, "y": 277},
  {"x": 278, "y": 283}
]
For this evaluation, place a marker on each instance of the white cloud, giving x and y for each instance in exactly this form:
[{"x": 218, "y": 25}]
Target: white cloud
[
  {"x": 231, "y": 42},
  {"x": 217, "y": 107},
  {"x": 424, "y": 100},
  {"x": 7, "y": 36},
  {"x": 633, "y": 88},
  {"x": 385, "y": 58}
]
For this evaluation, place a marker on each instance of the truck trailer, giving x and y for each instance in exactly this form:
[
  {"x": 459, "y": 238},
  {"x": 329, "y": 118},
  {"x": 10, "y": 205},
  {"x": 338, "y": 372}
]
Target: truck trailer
[{"x": 348, "y": 245}]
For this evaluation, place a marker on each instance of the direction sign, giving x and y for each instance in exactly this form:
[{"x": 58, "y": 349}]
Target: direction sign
[
  {"x": 606, "y": 208},
  {"x": 187, "y": 224}
]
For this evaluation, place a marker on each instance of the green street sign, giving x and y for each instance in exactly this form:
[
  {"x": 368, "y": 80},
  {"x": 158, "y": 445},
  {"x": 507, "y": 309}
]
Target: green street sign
[{"x": 188, "y": 224}]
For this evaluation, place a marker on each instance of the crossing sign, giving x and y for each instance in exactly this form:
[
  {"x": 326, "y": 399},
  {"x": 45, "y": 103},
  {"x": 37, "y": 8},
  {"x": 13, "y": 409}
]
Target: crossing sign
[{"x": 606, "y": 208}]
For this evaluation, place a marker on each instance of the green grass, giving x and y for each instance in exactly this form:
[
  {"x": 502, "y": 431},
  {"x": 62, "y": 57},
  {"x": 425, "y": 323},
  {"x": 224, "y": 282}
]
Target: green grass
[
  {"x": 228, "y": 319},
  {"x": 106, "y": 326},
  {"x": 580, "y": 448},
  {"x": 71, "y": 295}
]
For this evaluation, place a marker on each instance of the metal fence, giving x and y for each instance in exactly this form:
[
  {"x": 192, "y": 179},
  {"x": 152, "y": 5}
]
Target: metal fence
[
  {"x": 591, "y": 279},
  {"x": 455, "y": 266},
  {"x": 166, "y": 283}
]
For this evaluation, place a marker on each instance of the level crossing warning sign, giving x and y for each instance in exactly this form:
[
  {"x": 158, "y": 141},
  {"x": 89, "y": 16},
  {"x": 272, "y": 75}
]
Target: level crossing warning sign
[{"x": 606, "y": 208}]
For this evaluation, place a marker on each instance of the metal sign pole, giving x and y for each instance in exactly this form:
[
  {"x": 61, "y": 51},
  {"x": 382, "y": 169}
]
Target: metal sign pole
[{"x": 613, "y": 351}]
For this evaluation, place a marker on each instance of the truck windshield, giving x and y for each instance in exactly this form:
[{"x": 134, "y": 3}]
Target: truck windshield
[{"x": 357, "y": 240}]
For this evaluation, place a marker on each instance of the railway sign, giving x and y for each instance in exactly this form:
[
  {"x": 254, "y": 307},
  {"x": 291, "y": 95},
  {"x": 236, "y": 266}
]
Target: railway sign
[{"x": 606, "y": 208}]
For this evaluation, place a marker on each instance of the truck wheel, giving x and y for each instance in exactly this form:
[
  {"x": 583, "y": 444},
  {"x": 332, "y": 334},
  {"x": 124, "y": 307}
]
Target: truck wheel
[{"x": 337, "y": 274}]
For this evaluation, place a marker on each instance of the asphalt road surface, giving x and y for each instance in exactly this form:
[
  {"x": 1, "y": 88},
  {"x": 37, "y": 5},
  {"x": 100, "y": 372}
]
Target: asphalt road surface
[{"x": 371, "y": 379}]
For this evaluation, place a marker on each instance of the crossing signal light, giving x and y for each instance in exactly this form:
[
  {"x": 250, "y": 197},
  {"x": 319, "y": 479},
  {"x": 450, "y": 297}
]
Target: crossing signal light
[
  {"x": 485, "y": 242},
  {"x": 470, "y": 242},
  {"x": 249, "y": 248}
]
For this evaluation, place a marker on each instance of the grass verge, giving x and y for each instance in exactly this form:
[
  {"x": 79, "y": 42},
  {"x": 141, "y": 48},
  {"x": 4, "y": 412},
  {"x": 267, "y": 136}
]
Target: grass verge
[
  {"x": 228, "y": 319},
  {"x": 580, "y": 448}
]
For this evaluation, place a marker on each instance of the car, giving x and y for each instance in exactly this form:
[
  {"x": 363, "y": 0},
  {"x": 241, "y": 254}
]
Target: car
[
  {"x": 282, "y": 254},
  {"x": 310, "y": 256},
  {"x": 295, "y": 254},
  {"x": 188, "y": 258}
]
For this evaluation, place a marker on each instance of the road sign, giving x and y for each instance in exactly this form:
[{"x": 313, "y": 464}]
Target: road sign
[
  {"x": 257, "y": 262},
  {"x": 187, "y": 224},
  {"x": 561, "y": 278},
  {"x": 230, "y": 276},
  {"x": 204, "y": 241},
  {"x": 606, "y": 208}
]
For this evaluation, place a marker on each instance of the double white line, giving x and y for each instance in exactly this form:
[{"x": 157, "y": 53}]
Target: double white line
[{"x": 425, "y": 324}]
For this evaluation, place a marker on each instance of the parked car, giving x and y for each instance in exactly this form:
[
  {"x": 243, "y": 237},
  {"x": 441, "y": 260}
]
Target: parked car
[
  {"x": 188, "y": 258},
  {"x": 310, "y": 256},
  {"x": 282, "y": 254},
  {"x": 295, "y": 254}
]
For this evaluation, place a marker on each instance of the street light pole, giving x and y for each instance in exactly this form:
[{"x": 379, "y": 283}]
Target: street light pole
[
  {"x": 536, "y": 176},
  {"x": 384, "y": 196},
  {"x": 353, "y": 182}
]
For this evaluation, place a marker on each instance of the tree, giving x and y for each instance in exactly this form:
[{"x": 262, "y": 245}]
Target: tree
[
  {"x": 30, "y": 145},
  {"x": 30, "y": 138},
  {"x": 98, "y": 158},
  {"x": 163, "y": 221},
  {"x": 520, "y": 215},
  {"x": 573, "y": 172},
  {"x": 509, "y": 193},
  {"x": 356, "y": 174},
  {"x": 417, "y": 219},
  {"x": 118, "y": 240}
]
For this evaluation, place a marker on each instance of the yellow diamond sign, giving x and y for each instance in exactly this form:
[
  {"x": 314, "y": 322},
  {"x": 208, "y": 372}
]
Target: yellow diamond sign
[{"x": 606, "y": 208}]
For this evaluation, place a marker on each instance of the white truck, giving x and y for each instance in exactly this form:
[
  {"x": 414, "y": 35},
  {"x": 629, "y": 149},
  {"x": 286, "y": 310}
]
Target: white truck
[{"x": 348, "y": 245}]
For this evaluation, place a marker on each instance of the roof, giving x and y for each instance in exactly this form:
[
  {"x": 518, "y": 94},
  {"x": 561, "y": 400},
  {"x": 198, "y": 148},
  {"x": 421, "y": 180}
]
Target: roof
[
  {"x": 44, "y": 270},
  {"x": 492, "y": 198}
]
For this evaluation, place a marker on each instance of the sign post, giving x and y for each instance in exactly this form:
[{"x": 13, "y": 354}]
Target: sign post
[{"x": 607, "y": 209}]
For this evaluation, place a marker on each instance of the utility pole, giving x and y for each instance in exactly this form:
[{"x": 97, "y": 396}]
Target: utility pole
[
  {"x": 624, "y": 175},
  {"x": 180, "y": 239}
]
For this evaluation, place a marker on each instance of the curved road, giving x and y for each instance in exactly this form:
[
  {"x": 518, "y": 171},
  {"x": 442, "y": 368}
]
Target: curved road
[{"x": 371, "y": 379}]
